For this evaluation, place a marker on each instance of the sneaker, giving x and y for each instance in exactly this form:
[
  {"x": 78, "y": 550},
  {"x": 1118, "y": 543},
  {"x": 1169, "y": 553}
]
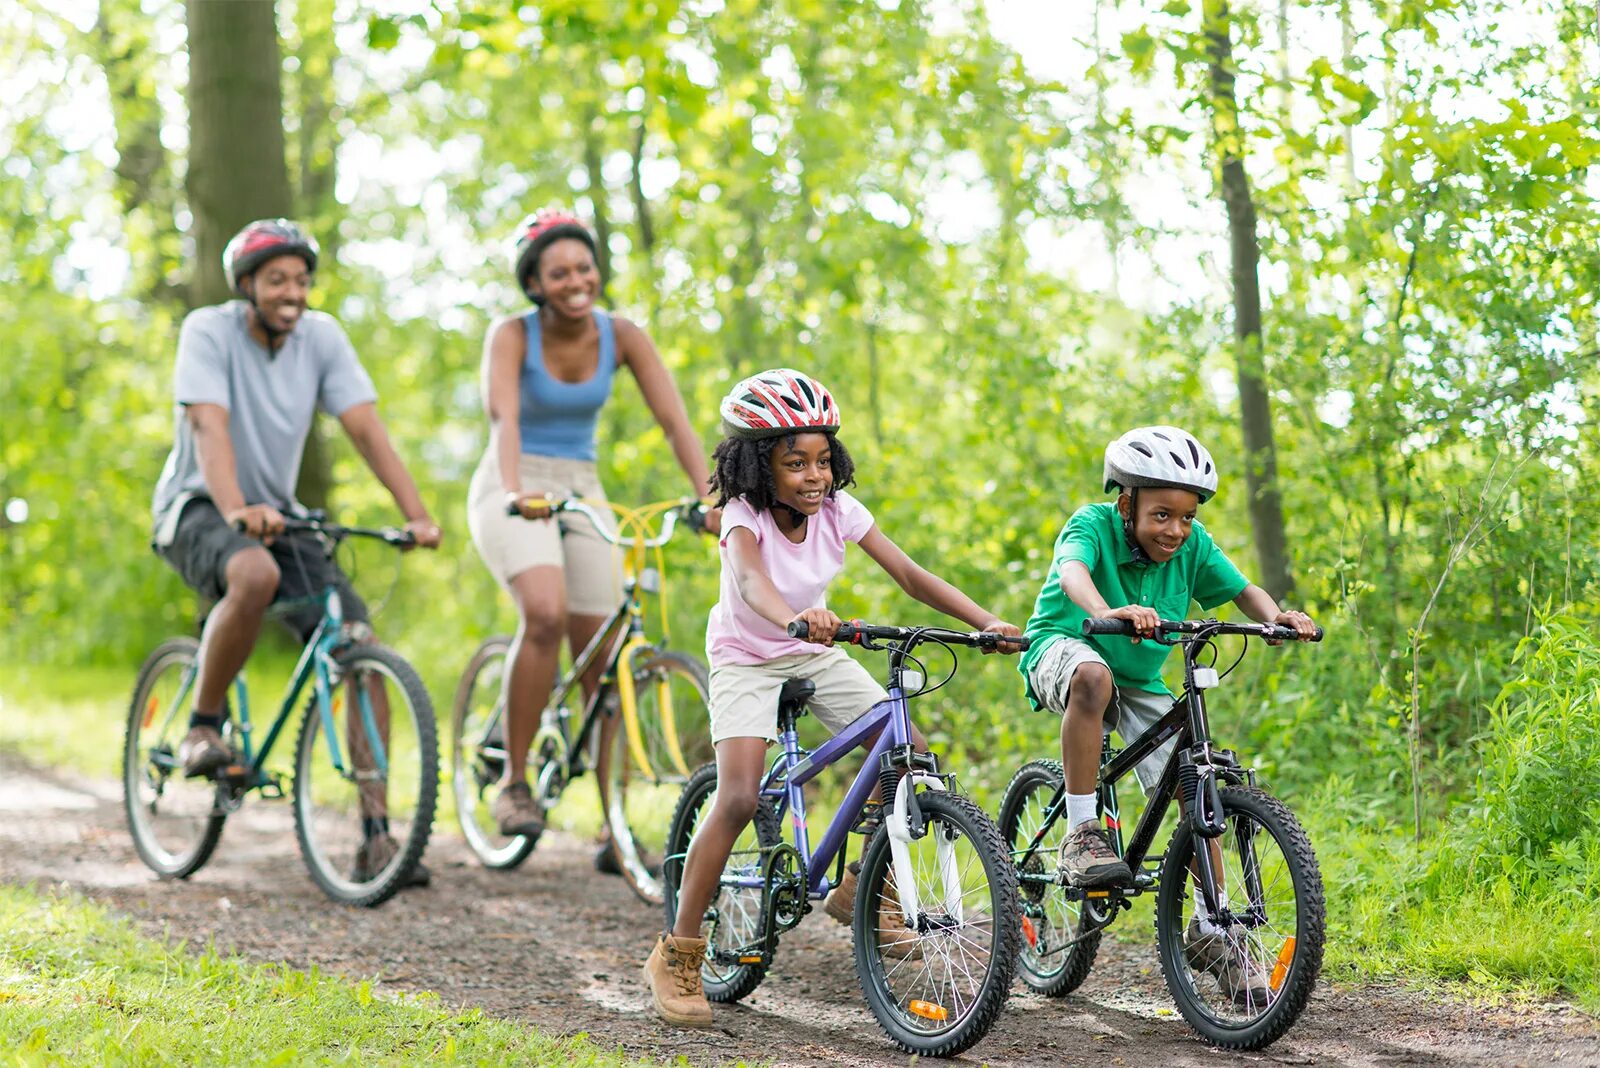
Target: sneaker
[
  {"x": 1226, "y": 957},
  {"x": 672, "y": 973},
  {"x": 514, "y": 810},
  {"x": 373, "y": 855},
  {"x": 203, "y": 753},
  {"x": 1089, "y": 860},
  {"x": 894, "y": 937}
]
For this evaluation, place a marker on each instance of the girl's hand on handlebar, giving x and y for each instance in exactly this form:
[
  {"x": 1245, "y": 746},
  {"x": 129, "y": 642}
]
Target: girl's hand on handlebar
[
  {"x": 1144, "y": 619},
  {"x": 1304, "y": 629},
  {"x": 1010, "y": 630},
  {"x": 258, "y": 521},
  {"x": 425, "y": 532},
  {"x": 822, "y": 623},
  {"x": 711, "y": 521}
]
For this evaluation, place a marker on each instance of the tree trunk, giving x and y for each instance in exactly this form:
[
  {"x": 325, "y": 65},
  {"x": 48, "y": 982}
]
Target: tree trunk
[
  {"x": 1255, "y": 405},
  {"x": 593, "y": 160}
]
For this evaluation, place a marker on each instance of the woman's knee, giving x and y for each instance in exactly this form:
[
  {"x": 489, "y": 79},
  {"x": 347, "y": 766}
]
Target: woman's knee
[
  {"x": 541, "y": 607},
  {"x": 252, "y": 577}
]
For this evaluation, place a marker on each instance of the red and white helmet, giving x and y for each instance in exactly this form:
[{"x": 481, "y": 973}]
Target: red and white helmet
[
  {"x": 261, "y": 241},
  {"x": 777, "y": 402},
  {"x": 537, "y": 232}
]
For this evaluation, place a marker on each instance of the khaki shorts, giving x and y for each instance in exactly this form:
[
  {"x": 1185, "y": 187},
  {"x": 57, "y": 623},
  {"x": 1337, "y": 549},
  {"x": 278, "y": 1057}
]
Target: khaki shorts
[
  {"x": 511, "y": 545},
  {"x": 1131, "y": 711},
  {"x": 744, "y": 697}
]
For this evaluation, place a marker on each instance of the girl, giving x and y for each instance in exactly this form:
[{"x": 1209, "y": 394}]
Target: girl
[{"x": 779, "y": 474}]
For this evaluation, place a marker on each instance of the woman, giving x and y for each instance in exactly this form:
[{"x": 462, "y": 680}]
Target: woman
[{"x": 546, "y": 375}]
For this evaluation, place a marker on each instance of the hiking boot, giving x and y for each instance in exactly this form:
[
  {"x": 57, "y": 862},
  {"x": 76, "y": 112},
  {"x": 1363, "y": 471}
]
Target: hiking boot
[
  {"x": 1089, "y": 860},
  {"x": 203, "y": 753},
  {"x": 515, "y": 811},
  {"x": 373, "y": 855},
  {"x": 894, "y": 937},
  {"x": 1226, "y": 957},
  {"x": 673, "y": 974}
]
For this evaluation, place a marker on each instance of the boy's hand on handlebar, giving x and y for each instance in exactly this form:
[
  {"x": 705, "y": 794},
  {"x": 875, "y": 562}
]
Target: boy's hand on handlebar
[
  {"x": 1144, "y": 619},
  {"x": 424, "y": 532},
  {"x": 822, "y": 623},
  {"x": 1010, "y": 630},
  {"x": 257, "y": 520},
  {"x": 1304, "y": 629}
]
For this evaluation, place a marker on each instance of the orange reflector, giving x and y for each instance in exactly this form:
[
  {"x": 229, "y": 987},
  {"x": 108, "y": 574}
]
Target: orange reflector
[
  {"x": 150, "y": 713},
  {"x": 338, "y": 701},
  {"x": 1029, "y": 933},
  {"x": 1098, "y": 893},
  {"x": 928, "y": 1010},
  {"x": 750, "y": 960},
  {"x": 1280, "y": 970}
]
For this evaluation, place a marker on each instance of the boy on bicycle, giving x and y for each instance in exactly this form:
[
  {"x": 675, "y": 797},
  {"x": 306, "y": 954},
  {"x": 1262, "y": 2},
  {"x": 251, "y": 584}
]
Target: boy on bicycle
[{"x": 1142, "y": 559}]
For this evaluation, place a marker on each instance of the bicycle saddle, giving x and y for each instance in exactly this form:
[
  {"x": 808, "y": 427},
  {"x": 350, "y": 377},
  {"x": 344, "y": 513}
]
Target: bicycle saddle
[{"x": 792, "y": 701}]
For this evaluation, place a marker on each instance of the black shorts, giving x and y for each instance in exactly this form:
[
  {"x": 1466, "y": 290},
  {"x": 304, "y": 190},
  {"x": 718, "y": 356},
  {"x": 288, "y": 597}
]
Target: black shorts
[{"x": 204, "y": 543}]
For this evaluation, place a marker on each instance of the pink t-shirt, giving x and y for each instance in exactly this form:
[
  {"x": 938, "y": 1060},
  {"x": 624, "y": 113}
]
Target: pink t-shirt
[{"x": 737, "y": 633}]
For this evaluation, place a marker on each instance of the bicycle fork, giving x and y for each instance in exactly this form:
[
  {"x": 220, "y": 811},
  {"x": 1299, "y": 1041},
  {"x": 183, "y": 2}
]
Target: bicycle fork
[{"x": 899, "y": 823}]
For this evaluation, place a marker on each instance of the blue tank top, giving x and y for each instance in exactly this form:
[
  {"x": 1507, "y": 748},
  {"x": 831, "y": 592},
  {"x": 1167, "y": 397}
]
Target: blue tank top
[{"x": 559, "y": 418}]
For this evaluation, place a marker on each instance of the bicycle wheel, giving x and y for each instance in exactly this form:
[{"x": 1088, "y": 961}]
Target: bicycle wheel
[
  {"x": 733, "y": 920},
  {"x": 477, "y": 756},
  {"x": 669, "y": 688},
  {"x": 364, "y": 797},
  {"x": 943, "y": 996},
  {"x": 175, "y": 821},
  {"x": 1058, "y": 947},
  {"x": 1275, "y": 900}
]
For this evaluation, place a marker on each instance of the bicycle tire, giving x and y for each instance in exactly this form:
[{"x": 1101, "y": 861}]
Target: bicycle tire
[
  {"x": 722, "y": 984},
  {"x": 1056, "y": 953},
  {"x": 958, "y": 817},
  {"x": 631, "y": 799},
  {"x": 1299, "y": 978},
  {"x": 138, "y": 767},
  {"x": 471, "y": 775},
  {"x": 319, "y": 845}
]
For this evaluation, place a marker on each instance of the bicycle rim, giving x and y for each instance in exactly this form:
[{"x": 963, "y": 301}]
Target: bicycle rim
[
  {"x": 477, "y": 756},
  {"x": 1274, "y": 893},
  {"x": 364, "y": 799},
  {"x": 174, "y": 821},
  {"x": 944, "y": 996}
]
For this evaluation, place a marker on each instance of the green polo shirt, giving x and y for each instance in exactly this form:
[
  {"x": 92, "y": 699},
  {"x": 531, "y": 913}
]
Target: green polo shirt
[{"x": 1093, "y": 536}]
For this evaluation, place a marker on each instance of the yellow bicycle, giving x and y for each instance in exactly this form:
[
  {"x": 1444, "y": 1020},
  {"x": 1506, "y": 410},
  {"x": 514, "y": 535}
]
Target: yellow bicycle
[{"x": 659, "y": 694}]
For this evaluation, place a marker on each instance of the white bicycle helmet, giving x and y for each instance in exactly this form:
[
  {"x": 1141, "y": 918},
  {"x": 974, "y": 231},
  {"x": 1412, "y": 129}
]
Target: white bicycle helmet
[
  {"x": 777, "y": 402},
  {"x": 1160, "y": 456}
]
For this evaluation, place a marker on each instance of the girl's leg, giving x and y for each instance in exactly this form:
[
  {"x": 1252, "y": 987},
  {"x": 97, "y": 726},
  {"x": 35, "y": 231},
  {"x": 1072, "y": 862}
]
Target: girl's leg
[
  {"x": 540, "y": 595},
  {"x": 741, "y": 762}
]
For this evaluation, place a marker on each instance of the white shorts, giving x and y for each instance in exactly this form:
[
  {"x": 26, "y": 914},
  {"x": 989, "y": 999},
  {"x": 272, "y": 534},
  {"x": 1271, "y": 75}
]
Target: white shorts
[
  {"x": 1131, "y": 711},
  {"x": 744, "y": 697}
]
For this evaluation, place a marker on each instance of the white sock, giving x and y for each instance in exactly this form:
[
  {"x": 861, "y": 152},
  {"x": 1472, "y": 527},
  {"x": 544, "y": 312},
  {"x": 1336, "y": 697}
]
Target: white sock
[
  {"x": 1203, "y": 914},
  {"x": 1080, "y": 809}
]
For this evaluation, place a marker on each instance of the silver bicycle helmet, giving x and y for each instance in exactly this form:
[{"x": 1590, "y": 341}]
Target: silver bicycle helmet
[{"x": 1160, "y": 456}]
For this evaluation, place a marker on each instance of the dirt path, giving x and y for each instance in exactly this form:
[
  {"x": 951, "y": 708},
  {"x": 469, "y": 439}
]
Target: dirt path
[{"x": 559, "y": 947}]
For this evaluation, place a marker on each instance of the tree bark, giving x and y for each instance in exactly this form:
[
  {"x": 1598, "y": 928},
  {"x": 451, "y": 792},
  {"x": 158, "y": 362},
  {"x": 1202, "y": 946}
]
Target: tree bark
[
  {"x": 1255, "y": 405},
  {"x": 593, "y": 160}
]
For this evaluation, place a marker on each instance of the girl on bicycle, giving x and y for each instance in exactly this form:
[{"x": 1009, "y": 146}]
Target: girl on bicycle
[
  {"x": 780, "y": 474},
  {"x": 546, "y": 375}
]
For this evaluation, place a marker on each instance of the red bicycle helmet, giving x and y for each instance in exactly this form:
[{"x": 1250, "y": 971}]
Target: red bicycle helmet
[
  {"x": 777, "y": 402},
  {"x": 535, "y": 234},
  {"x": 259, "y": 242}
]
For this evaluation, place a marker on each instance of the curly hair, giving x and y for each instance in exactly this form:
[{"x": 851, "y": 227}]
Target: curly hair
[{"x": 743, "y": 468}]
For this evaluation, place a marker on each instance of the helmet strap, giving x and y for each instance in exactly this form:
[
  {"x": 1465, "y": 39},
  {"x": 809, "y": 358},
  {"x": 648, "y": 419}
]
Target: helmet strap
[
  {"x": 1134, "y": 548},
  {"x": 266, "y": 328}
]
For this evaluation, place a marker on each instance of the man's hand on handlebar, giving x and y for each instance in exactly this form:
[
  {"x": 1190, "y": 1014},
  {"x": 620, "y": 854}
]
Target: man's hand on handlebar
[
  {"x": 997, "y": 625},
  {"x": 1144, "y": 619},
  {"x": 822, "y": 625},
  {"x": 258, "y": 521}
]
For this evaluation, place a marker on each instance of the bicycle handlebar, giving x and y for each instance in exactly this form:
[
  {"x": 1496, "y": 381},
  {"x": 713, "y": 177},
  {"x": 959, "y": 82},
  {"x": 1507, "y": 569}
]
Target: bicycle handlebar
[
  {"x": 856, "y": 632},
  {"x": 1270, "y": 631},
  {"x": 338, "y": 532},
  {"x": 688, "y": 510}
]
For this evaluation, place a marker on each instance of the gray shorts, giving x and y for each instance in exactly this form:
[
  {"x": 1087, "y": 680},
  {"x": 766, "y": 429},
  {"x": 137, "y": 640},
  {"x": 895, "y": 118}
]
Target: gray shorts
[{"x": 1131, "y": 711}]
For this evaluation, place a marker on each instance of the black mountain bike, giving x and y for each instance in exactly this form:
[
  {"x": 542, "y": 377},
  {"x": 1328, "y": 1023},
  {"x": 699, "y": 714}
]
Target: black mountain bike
[{"x": 1241, "y": 984}]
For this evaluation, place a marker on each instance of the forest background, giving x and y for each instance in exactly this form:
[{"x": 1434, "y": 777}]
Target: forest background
[{"x": 1350, "y": 244}]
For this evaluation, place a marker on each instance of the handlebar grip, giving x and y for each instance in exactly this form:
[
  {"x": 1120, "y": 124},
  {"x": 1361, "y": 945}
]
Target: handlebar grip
[
  {"x": 799, "y": 628},
  {"x": 1107, "y": 626},
  {"x": 847, "y": 633},
  {"x": 1317, "y": 637}
]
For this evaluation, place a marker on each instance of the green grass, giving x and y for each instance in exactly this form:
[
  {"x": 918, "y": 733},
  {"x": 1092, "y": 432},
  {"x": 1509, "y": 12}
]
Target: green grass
[{"x": 78, "y": 986}]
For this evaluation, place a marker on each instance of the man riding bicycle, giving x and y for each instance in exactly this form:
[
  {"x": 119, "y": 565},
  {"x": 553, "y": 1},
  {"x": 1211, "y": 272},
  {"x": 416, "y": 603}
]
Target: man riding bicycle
[{"x": 250, "y": 375}]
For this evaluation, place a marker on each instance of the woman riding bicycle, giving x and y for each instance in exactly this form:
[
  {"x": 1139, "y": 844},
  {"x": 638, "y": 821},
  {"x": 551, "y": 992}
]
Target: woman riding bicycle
[{"x": 546, "y": 376}]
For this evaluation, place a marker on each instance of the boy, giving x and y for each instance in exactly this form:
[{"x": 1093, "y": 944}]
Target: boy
[{"x": 1141, "y": 559}]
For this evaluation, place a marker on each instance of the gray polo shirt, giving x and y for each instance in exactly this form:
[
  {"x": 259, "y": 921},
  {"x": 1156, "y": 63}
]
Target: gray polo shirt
[{"x": 271, "y": 401}]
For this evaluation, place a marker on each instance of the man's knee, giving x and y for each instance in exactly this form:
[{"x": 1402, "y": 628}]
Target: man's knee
[{"x": 252, "y": 578}]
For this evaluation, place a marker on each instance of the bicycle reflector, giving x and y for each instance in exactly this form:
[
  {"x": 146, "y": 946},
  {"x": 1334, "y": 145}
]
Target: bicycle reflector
[
  {"x": 149, "y": 713},
  {"x": 1280, "y": 970},
  {"x": 1030, "y": 933},
  {"x": 928, "y": 1010}
]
